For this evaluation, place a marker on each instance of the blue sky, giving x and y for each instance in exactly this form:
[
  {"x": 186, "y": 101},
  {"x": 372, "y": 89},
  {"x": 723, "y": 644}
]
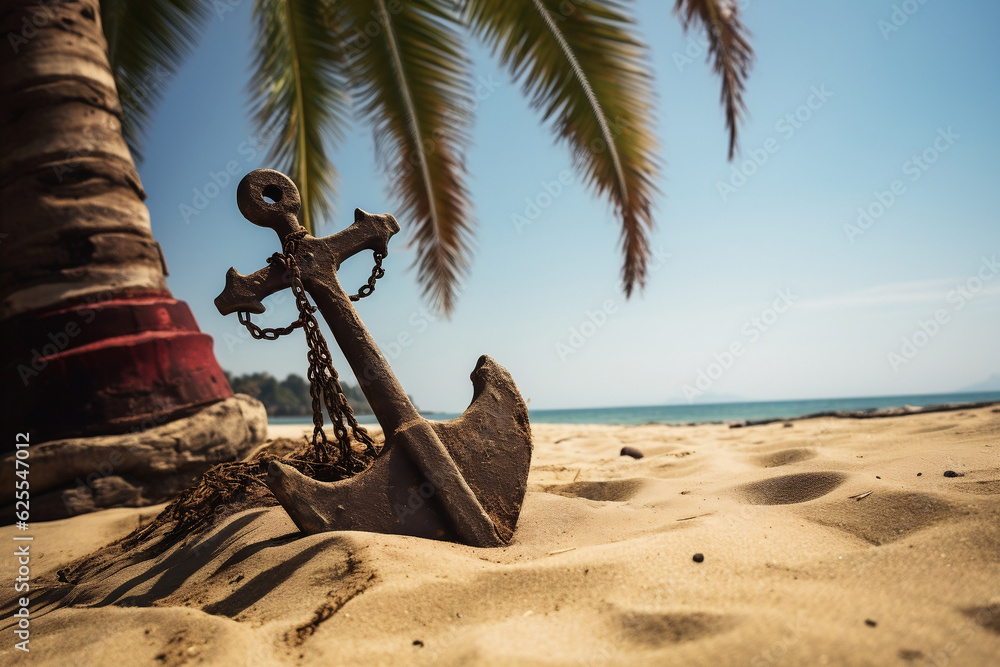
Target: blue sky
[{"x": 768, "y": 282}]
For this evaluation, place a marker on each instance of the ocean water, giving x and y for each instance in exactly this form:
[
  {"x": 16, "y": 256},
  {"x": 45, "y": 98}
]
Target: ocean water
[{"x": 711, "y": 412}]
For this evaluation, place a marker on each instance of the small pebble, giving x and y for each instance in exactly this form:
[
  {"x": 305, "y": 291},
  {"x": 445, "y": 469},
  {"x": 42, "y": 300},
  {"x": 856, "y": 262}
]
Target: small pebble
[
  {"x": 789, "y": 425},
  {"x": 417, "y": 642},
  {"x": 631, "y": 451},
  {"x": 952, "y": 473},
  {"x": 870, "y": 623},
  {"x": 877, "y": 477},
  {"x": 698, "y": 558},
  {"x": 919, "y": 474}
]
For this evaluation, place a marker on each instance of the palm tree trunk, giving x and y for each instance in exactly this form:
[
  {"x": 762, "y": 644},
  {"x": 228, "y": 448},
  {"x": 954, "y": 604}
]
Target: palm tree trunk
[
  {"x": 74, "y": 217},
  {"x": 92, "y": 341}
]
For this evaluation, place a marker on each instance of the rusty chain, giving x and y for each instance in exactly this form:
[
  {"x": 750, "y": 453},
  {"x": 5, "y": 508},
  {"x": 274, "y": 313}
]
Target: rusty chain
[
  {"x": 324, "y": 383},
  {"x": 266, "y": 334},
  {"x": 377, "y": 272}
]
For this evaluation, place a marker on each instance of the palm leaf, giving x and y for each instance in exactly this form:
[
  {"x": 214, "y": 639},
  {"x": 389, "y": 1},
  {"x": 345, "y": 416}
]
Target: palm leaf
[
  {"x": 297, "y": 90},
  {"x": 147, "y": 41},
  {"x": 728, "y": 45},
  {"x": 582, "y": 66},
  {"x": 411, "y": 83}
]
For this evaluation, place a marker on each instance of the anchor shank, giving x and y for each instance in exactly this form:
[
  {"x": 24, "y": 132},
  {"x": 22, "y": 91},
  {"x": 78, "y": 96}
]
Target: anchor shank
[
  {"x": 397, "y": 414},
  {"x": 388, "y": 400}
]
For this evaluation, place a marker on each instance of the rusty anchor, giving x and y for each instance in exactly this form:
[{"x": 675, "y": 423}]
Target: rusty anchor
[{"x": 460, "y": 480}]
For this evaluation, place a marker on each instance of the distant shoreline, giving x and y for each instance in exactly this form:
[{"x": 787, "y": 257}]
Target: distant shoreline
[
  {"x": 736, "y": 414},
  {"x": 875, "y": 413}
]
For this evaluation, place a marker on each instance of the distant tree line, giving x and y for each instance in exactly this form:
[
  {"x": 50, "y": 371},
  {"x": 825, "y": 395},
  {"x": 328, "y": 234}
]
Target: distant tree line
[{"x": 289, "y": 397}]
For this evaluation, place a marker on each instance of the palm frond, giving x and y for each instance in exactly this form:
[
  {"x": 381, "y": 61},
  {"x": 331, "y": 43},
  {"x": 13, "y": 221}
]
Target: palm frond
[
  {"x": 729, "y": 46},
  {"x": 411, "y": 79},
  {"x": 147, "y": 42},
  {"x": 584, "y": 68},
  {"x": 297, "y": 91}
]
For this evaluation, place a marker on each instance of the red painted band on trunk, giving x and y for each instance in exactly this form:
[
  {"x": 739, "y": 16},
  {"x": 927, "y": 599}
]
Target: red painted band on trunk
[{"x": 106, "y": 368}]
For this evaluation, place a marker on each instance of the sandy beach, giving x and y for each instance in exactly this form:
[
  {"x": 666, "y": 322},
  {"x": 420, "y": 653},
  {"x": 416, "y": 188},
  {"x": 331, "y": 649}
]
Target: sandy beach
[
  {"x": 743, "y": 271},
  {"x": 826, "y": 541}
]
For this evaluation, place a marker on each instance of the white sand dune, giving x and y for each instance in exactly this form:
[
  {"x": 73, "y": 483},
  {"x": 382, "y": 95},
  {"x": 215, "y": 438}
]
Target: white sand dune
[{"x": 800, "y": 567}]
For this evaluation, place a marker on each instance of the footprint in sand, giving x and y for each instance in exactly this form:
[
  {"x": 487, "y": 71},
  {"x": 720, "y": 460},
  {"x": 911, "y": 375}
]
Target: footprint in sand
[
  {"x": 613, "y": 490},
  {"x": 933, "y": 429},
  {"x": 657, "y": 629},
  {"x": 789, "y": 489},
  {"x": 785, "y": 457},
  {"x": 884, "y": 516},
  {"x": 987, "y": 616},
  {"x": 982, "y": 487}
]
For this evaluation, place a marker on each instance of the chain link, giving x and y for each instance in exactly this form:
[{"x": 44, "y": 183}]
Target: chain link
[
  {"x": 271, "y": 334},
  {"x": 266, "y": 334},
  {"x": 324, "y": 383},
  {"x": 377, "y": 272}
]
